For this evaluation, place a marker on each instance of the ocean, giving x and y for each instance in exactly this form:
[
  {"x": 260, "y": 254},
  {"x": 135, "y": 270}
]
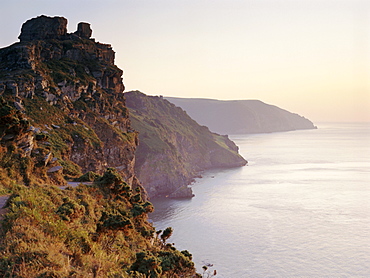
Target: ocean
[{"x": 301, "y": 208}]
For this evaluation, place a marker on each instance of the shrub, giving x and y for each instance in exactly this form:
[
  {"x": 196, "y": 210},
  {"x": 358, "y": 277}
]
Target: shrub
[
  {"x": 70, "y": 210},
  {"x": 114, "y": 220},
  {"x": 147, "y": 264},
  {"x": 88, "y": 177},
  {"x": 167, "y": 233}
]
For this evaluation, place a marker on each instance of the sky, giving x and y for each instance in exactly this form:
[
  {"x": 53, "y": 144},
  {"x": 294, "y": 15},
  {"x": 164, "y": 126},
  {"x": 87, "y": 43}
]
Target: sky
[{"x": 310, "y": 57}]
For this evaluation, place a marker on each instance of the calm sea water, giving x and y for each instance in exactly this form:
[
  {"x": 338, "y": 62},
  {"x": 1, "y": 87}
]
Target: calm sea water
[{"x": 300, "y": 209}]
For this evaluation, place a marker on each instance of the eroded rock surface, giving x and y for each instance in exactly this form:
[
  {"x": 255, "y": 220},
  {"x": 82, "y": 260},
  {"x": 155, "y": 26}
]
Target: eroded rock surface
[
  {"x": 68, "y": 89},
  {"x": 43, "y": 27}
]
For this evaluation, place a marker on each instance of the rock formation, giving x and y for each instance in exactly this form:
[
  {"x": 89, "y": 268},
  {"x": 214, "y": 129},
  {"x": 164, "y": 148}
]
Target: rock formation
[
  {"x": 62, "y": 112},
  {"x": 174, "y": 148},
  {"x": 83, "y": 30},
  {"x": 67, "y": 93},
  {"x": 43, "y": 28}
]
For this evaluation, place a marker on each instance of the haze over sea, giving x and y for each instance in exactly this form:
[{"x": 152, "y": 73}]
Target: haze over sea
[{"x": 300, "y": 209}]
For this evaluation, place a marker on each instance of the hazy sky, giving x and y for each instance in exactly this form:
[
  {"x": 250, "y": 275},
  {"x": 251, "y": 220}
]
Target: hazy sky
[{"x": 311, "y": 57}]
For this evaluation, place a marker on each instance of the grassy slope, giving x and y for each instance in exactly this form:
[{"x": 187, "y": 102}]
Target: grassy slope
[
  {"x": 164, "y": 127},
  {"x": 173, "y": 147},
  {"x": 87, "y": 231}
]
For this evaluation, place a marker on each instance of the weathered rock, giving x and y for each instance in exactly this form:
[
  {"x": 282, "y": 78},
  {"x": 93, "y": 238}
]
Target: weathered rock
[
  {"x": 25, "y": 142},
  {"x": 49, "y": 97},
  {"x": 47, "y": 158},
  {"x": 50, "y": 66},
  {"x": 182, "y": 192},
  {"x": 43, "y": 27},
  {"x": 19, "y": 106},
  {"x": 83, "y": 30},
  {"x": 54, "y": 169}
]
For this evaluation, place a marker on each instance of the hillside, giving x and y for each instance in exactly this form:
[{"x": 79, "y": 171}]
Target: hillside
[
  {"x": 241, "y": 116},
  {"x": 173, "y": 148},
  {"x": 62, "y": 114},
  {"x": 62, "y": 106}
]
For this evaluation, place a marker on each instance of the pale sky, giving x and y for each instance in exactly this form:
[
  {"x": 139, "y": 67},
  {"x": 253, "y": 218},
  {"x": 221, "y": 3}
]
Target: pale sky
[{"x": 311, "y": 57}]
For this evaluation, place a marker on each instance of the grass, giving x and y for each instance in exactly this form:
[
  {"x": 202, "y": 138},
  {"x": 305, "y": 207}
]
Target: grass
[
  {"x": 88, "y": 231},
  {"x": 171, "y": 144},
  {"x": 98, "y": 230}
]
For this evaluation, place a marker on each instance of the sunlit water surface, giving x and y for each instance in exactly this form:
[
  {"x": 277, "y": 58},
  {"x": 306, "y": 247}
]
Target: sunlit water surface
[{"x": 300, "y": 209}]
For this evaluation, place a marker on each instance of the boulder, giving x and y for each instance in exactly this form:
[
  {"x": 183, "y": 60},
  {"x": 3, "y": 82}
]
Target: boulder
[
  {"x": 54, "y": 169},
  {"x": 43, "y": 27}
]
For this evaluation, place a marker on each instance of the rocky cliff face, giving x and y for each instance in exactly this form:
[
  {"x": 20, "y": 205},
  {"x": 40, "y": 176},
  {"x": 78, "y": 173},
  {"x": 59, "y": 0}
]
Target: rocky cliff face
[
  {"x": 173, "y": 148},
  {"x": 62, "y": 112},
  {"x": 63, "y": 104}
]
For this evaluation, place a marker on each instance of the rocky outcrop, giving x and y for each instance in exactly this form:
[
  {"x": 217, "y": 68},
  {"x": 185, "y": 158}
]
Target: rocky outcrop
[
  {"x": 83, "y": 30},
  {"x": 68, "y": 89},
  {"x": 62, "y": 111},
  {"x": 43, "y": 28},
  {"x": 173, "y": 148},
  {"x": 241, "y": 116}
]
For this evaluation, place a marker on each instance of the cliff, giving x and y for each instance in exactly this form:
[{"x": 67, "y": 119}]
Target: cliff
[
  {"x": 241, "y": 116},
  {"x": 62, "y": 113},
  {"x": 173, "y": 148},
  {"x": 63, "y": 95}
]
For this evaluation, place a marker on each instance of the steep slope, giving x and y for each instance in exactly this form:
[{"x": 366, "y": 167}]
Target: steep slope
[
  {"x": 62, "y": 112},
  {"x": 62, "y": 106},
  {"x": 241, "y": 116},
  {"x": 89, "y": 231},
  {"x": 173, "y": 148}
]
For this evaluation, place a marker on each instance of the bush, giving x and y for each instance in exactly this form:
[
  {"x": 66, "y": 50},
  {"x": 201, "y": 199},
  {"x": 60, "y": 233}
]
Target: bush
[
  {"x": 114, "y": 220},
  {"x": 147, "y": 264},
  {"x": 70, "y": 210},
  {"x": 88, "y": 177}
]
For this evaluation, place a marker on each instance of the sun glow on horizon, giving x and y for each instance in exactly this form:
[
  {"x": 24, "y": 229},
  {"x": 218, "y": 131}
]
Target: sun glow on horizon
[{"x": 309, "y": 57}]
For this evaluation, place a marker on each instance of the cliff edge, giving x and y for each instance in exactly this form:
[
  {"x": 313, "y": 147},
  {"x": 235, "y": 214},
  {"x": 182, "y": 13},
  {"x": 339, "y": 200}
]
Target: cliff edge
[
  {"x": 63, "y": 111},
  {"x": 173, "y": 148}
]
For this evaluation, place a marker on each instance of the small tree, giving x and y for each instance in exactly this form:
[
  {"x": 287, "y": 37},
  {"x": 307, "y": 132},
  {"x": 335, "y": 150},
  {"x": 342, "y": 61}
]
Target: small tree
[{"x": 167, "y": 233}]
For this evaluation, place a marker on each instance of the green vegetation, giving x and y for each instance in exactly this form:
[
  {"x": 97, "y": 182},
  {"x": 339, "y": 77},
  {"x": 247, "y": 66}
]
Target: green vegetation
[
  {"x": 99, "y": 230},
  {"x": 62, "y": 113},
  {"x": 68, "y": 70},
  {"x": 88, "y": 177},
  {"x": 174, "y": 148},
  {"x": 15, "y": 141}
]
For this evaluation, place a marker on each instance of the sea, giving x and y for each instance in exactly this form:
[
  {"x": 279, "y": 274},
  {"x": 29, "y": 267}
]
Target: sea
[{"x": 301, "y": 208}]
